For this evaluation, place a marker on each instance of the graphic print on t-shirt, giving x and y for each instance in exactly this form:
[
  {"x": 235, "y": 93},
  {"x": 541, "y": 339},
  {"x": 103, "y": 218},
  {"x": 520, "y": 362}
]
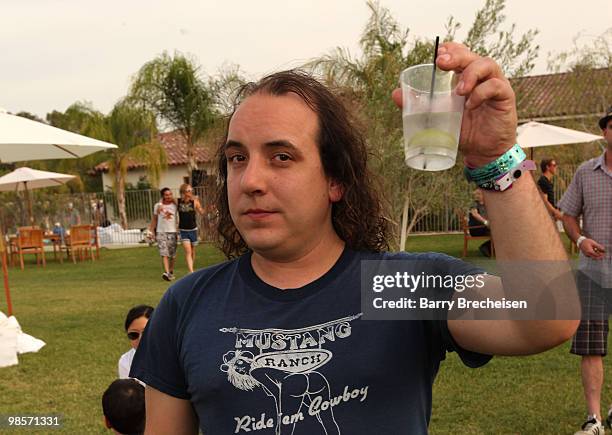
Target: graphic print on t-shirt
[
  {"x": 166, "y": 212},
  {"x": 186, "y": 207},
  {"x": 286, "y": 364}
]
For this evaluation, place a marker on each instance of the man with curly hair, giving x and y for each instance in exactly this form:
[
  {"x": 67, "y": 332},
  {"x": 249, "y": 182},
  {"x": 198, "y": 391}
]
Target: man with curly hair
[{"x": 272, "y": 341}]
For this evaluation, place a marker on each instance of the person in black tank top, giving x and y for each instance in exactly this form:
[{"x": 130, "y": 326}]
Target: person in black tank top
[{"x": 188, "y": 206}]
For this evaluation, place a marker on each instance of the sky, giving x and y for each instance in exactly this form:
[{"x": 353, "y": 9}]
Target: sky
[{"x": 56, "y": 52}]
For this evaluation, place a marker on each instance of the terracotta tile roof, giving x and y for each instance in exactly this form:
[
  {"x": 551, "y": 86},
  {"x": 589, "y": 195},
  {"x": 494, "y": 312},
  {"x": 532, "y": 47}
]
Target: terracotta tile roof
[
  {"x": 564, "y": 95},
  {"x": 176, "y": 152}
]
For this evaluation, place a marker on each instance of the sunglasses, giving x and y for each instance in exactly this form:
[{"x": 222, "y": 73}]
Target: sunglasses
[{"x": 133, "y": 335}]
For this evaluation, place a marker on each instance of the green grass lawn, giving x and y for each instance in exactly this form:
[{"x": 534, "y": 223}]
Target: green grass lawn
[{"x": 79, "y": 311}]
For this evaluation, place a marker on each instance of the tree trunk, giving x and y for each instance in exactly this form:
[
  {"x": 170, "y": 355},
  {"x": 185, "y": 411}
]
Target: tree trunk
[
  {"x": 192, "y": 163},
  {"x": 121, "y": 199},
  {"x": 402, "y": 246},
  {"x": 407, "y": 227},
  {"x": 416, "y": 217}
]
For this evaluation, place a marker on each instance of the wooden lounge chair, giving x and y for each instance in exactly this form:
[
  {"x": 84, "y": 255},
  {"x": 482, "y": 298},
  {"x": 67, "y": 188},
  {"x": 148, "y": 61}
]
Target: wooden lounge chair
[
  {"x": 465, "y": 227},
  {"x": 80, "y": 242},
  {"x": 94, "y": 239},
  {"x": 30, "y": 241}
]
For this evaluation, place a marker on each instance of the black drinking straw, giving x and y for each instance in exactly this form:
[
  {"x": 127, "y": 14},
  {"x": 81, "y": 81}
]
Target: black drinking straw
[{"x": 433, "y": 73}]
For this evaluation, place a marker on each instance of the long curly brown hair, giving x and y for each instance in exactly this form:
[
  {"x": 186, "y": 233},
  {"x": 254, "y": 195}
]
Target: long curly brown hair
[{"x": 358, "y": 218}]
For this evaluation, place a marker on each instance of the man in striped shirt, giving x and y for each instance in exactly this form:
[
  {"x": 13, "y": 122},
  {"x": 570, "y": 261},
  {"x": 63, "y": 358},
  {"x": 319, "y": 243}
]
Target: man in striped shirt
[{"x": 590, "y": 195}]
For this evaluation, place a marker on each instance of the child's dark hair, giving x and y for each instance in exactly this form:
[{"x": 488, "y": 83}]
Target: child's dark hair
[
  {"x": 136, "y": 312},
  {"x": 123, "y": 404}
]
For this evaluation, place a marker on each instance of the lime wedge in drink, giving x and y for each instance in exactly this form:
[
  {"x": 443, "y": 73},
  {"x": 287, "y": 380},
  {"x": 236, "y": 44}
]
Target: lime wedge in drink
[{"x": 432, "y": 137}]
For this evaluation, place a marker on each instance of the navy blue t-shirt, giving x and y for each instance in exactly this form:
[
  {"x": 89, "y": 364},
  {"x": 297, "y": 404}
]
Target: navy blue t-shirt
[{"x": 254, "y": 358}]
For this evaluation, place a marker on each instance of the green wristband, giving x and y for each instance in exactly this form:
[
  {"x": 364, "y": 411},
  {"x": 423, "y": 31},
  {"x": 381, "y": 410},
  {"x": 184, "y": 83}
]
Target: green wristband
[{"x": 495, "y": 169}]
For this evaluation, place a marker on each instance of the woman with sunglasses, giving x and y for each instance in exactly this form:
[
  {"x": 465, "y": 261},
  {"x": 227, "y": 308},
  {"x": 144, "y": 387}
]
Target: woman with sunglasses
[
  {"x": 135, "y": 323},
  {"x": 188, "y": 205}
]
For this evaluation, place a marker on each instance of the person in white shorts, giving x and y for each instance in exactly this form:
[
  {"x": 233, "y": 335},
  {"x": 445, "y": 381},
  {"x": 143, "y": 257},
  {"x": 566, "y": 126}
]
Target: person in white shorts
[{"x": 164, "y": 224}]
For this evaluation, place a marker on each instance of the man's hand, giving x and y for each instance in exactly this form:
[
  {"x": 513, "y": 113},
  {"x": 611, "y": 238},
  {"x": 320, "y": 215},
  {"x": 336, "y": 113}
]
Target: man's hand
[
  {"x": 592, "y": 249},
  {"x": 489, "y": 118}
]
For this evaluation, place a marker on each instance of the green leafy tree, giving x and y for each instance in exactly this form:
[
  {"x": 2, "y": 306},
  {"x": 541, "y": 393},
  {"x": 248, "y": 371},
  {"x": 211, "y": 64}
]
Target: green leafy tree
[
  {"x": 171, "y": 87},
  {"x": 28, "y": 115},
  {"x": 366, "y": 82},
  {"x": 74, "y": 119},
  {"x": 584, "y": 54},
  {"x": 516, "y": 56},
  {"x": 77, "y": 118},
  {"x": 133, "y": 129},
  {"x": 223, "y": 87}
]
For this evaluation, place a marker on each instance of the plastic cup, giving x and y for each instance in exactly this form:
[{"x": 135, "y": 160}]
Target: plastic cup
[{"x": 431, "y": 120}]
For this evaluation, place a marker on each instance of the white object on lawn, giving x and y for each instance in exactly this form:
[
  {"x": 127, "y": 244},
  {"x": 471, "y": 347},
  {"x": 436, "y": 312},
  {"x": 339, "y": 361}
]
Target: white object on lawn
[{"x": 14, "y": 341}]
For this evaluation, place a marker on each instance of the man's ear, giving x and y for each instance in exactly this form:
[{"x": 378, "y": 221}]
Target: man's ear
[
  {"x": 336, "y": 190},
  {"x": 107, "y": 423}
]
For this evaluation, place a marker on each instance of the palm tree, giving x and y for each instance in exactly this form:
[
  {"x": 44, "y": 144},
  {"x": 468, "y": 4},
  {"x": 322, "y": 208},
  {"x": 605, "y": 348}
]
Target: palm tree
[
  {"x": 133, "y": 130},
  {"x": 171, "y": 88}
]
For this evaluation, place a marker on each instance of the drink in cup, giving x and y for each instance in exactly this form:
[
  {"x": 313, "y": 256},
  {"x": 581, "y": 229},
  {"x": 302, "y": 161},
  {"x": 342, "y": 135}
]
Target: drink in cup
[{"x": 431, "y": 117}]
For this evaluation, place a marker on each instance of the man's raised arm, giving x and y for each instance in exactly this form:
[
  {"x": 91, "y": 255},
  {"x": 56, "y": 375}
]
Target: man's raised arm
[{"x": 520, "y": 225}]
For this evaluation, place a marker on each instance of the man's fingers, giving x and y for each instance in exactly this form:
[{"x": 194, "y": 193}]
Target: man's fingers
[
  {"x": 473, "y": 68},
  {"x": 479, "y": 71},
  {"x": 397, "y": 97},
  {"x": 593, "y": 249},
  {"x": 599, "y": 247},
  {"x": 493, "y": 89},
  {"x": 454, "y": 56}
]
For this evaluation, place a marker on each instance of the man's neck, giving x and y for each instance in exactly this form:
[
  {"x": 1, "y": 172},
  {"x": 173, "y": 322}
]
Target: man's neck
[
  {"x": 301, "y": 270},
  {"x": 608, "y": 157},
  {"x": 548, "y": 175}
]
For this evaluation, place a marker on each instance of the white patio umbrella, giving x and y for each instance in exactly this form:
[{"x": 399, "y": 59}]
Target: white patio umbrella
[
  {"x": 27, "y": 179},
  {"x": 23, "y": 139},
  {"x": 536, "y": 134}
]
